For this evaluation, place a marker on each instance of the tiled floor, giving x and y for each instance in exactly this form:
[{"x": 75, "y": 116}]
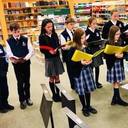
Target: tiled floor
[{"x": 108, "y": 116}]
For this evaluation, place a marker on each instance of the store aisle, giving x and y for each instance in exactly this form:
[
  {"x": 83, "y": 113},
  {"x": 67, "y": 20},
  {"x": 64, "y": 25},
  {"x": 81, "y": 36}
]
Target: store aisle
[{"x": 108, "y": 116}]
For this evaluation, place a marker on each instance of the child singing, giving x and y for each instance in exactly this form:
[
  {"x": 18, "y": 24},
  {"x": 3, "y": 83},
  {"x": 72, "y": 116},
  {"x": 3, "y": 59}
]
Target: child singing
[
  {"x": 82, "y": 73},
  {"x": 48, "y": 41},
  {"x": 115, "y": 68}
]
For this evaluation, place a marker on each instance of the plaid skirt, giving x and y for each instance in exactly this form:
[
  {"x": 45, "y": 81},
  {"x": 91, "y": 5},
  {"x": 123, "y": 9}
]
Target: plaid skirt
[
  {"x": 53, "y": 67},
  {"x": 116, "y": 74},
  {"x": 85, "y": 82}
]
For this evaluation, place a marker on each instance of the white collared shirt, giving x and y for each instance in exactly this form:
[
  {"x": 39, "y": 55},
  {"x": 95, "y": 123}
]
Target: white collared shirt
[{"x": 114, "y": 22}]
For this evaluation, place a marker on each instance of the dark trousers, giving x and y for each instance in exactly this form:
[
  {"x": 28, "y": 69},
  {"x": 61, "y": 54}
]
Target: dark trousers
[
  {"x": 3, "y": 91},
  {"x": 70, "y": 76},
  {"x": 22, "y": 73}
]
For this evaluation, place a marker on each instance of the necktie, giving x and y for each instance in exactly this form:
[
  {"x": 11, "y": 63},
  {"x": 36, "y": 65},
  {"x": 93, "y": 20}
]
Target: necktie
[
  {"x": 72, "y": 33},
  {"x": 17, "y": 40}
]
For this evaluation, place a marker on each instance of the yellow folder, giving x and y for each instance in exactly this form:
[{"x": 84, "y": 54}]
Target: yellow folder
[
  {"x": 110, "y": 49},
  {"x": 79, "y": 55}
]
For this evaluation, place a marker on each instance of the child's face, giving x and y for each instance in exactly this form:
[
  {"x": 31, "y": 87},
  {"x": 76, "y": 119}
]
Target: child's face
[
  {"x": 117, "y": 35},
  {"x": 49, "y": 28},
  {"x": 16, "y": 33},
  {"x": 70, "y": 26},
  {"x": 115, "y": 16},
  {"x": 93, "y": 25},
  {"x": 83, "y": 39}
]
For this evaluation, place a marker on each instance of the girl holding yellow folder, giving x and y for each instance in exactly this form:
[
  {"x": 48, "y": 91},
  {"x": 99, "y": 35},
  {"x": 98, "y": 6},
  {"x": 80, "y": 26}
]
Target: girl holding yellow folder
[
  {"x": 115, "y": 68},
  {"x": 82, "y": 73}
]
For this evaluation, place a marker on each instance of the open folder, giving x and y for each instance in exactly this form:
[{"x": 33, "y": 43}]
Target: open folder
[
  {"x": 111, "y": 49},
  {"x": 79, "y": 55},
  {"x": 48, "y": 48}
]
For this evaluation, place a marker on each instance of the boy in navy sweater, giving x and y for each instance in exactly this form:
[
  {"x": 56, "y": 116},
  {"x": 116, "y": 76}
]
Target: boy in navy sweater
[
  {"x": 19, "y": 51},
  {"x": 4, "y": 93}
]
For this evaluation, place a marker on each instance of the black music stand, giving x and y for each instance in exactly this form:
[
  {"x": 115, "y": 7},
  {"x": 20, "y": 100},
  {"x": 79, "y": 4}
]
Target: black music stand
[
  {"x": 74, "y": 118},
  {"x": 46, "y": 107},
  {"x": 67, "y": 101}
]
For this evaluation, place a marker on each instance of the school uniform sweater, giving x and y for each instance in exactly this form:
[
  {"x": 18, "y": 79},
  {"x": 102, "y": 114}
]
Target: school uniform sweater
[
  {"x": 67, "y": 37},
  {"x": 93, "y": 36},
  {"x": 3, "y": 62},
  {"x": 18, "y": 47},
  {"x": 52, "y": 42},
  {"x": 107, "y": 26},
  {"x": 75, "y": 66}
]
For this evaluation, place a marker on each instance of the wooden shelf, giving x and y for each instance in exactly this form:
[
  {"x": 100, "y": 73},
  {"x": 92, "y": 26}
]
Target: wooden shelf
[
  {"x": 33, "y": 7},
  {"x": 22, "y": 14},
  {"x": 22, "y": 20}
]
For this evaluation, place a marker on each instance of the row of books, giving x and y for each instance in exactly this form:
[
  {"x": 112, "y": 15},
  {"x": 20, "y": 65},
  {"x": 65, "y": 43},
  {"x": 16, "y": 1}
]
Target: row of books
[
  {"x": 28, "y": 10},
  {"x": 14, "y": 4}
]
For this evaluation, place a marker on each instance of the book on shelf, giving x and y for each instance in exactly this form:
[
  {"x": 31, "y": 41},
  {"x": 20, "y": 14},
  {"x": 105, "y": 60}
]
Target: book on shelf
[
  {"x": 111, "y": 49},
  {"x": 79, "y": 55}
]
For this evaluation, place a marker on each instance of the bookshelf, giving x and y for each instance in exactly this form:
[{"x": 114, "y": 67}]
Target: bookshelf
[
  {"x": 28, "y": 13},
  {"x": 83, "y": 12},
  {"x": 1, "y": 35}
]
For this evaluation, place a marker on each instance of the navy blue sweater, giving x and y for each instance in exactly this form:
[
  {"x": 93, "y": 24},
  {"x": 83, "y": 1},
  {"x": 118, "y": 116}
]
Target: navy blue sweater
[
  {"x": 52, "y": 42},
  {"x": 3, "y": 62},
  {"x": 19, "y": 48}
]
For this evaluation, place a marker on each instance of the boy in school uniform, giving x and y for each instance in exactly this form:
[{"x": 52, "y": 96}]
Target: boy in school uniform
[
  {"x": 65, "y": 36},
  {"x": 19, "y": 51},
  {"x": 4, "y": 92},
  {"x": 113, "y": 21}
]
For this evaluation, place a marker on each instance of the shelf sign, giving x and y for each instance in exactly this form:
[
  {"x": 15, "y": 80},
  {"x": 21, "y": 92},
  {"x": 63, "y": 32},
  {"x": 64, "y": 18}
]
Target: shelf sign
[
  {"x": 47, "y": 11},
  {"x": 63, "y": 11}
]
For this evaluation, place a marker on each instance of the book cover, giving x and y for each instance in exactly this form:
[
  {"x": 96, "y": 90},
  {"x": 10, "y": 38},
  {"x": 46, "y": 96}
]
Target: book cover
[
  {"x": 110, "y": 49},
  {"x": 79, "y": 55}
]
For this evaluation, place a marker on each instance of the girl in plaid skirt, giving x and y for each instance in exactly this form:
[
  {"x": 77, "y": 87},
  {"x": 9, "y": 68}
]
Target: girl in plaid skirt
[
  {"x": 115, "y": 68},
  {"x": 82, "y": 73}
]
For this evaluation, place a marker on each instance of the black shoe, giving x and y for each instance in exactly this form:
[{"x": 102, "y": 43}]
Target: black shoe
[
  {"x": 121, "y": 102},
  {"x": 56, "y": 98},
  {"x": 23, "y": 105},
  {"x": 9, "y": 107},
  {"x": 29, "y": 102},
  {"x": 92, "y": 110},
  {"x": 99, "y": 85},
  {"x": 86, "y": 112},
  {"x": 114, "y": 101},
  {"x": 3, "y": 110}
]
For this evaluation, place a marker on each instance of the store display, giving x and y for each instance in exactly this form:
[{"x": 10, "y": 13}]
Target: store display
[
  {"x": 28, "y": 15},
  {"x": 83, "y": 12}
]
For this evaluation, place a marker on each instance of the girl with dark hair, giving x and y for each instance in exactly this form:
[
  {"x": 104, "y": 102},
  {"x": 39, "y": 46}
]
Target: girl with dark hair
[
  {"x": 93, "y": 35},
  {"x": 48, "y": 41},
  {"x": 82, "y": 73},
  {"x": 115, "y": 67}
]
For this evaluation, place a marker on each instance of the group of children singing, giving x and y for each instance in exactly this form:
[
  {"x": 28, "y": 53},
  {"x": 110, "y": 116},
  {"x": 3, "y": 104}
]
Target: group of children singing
[{"x": 80, "y": 73}]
